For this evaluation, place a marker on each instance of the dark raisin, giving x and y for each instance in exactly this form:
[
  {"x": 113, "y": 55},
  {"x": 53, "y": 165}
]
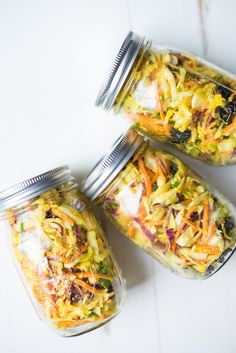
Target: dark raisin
[
  {"x": 225, "y": 115},
  {"x": 49, "y": 214},
  {"x": 225, "y": 92},
  {"x": 194, "y": 216},
  {"x": 173, "y": 168},
  {"x": 227, "y": 112},
  {"x": 231, "y": 107},
  {"x": 179, "y": 137},
  {"x": 180, "y": 197},
  {"x": 228, "y": 224}
]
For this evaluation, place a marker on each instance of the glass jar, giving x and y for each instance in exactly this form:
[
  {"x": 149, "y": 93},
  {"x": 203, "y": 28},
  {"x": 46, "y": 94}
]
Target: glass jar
[
  {"x": 163, "y": 207},
  {"x": 61, "y": 254},
  {"x": 175, "y": 97}
]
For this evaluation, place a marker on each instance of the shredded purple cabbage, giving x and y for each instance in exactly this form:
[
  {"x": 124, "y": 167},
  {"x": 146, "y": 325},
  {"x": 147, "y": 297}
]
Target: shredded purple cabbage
[
  {"x": 144, "y": 229},
  {"x": 170, "y": 235},
  {"x": 77, "y": 234},
  {"x": 114, "y": 213}
]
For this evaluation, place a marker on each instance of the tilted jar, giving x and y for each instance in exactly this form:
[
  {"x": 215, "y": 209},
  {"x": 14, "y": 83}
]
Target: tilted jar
[
  {"x": 163, "y": 207},
  {"x": 174, "y": 97}
]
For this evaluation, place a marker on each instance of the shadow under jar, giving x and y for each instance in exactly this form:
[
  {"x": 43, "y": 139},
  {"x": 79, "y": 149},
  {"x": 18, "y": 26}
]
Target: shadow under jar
[
  {"x": 163, "y": 207},
  {"x": 175, "y": 97},
  {"x": 61, "y": 254}
]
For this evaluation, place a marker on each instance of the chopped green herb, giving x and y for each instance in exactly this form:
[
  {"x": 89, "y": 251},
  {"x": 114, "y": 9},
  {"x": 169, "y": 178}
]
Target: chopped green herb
[
  {"x": 105, "y": 283},
  {"x": 175, "y": 184},
  {"x": 154, "y": 187},
  {"x": 22, "y": 228},
  {"x": 94, "y": 314}
]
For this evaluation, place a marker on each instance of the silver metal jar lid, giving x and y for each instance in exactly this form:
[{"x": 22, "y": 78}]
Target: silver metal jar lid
[
  {"x": 33, "y": 187},
  {"x": 111, "y": 164},
  {"x": 119, "y": 70}
]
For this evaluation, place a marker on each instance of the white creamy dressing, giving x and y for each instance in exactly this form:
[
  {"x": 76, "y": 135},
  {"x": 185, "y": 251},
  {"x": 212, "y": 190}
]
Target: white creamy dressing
[
  {"x": 129, "y": 199},
  {"x": 146, "y": 95},
  {"x": 34, "y": 245}
]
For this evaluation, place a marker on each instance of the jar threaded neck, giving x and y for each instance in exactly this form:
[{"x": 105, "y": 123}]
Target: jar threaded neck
[
  {"x": 119, "y": 71},
  {"x": 33, "y": 187},
  {"x": 111, "y": 164}
]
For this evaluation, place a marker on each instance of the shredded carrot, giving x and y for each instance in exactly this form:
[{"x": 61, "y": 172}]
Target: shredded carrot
[
  {"x": 180, "y": 229},
  {"x": 62, "y": 215},
  {"x": 186, "y": 202},
  {"x": 155, "y": 176},
  {"x": 194, "y": 262},
  {"x": 230, "y": 126},
  {"x": 87, "y": 286},
  {"x": 190, "y": 211},
  {"x": 145, "y": 176},
  {"x": 106, "y": 315},
  {"x": 67, "y": 323},
  {"x": 208, "y": 249},
  {"x": 177, "y": 234},
  {"x": 148, "y": 122},
  {"x": 166, "y": 164},
  {"x": 91, "y": 274},
  {"x": 142, "y": 212},
  {"x": 160, "y": 171},
  {"x": 162, "y": 114},
  {"x": 192, "y": 224},
  {"x": 210, "y": 139},
  {"x": 186, "y": 262},
  {"x": 211, "y": 231},
  {"x": 131, "y": 231},
  {"x": 167, "y": 129}
]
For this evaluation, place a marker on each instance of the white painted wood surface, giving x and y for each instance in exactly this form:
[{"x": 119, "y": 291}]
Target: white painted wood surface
[{"x": 53, "y": 57}]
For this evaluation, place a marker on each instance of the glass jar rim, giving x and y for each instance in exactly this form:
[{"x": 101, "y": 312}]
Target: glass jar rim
[
  {"x": 30, "y": 188},
  {"x": 111, "y": 164}
]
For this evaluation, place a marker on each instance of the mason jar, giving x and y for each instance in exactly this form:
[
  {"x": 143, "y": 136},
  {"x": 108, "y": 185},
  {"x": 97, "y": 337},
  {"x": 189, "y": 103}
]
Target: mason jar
[
  {"x": 163, "y": 207},
  {"x": 174, "y": 97},
  {"x": 61, "y": 254}
]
